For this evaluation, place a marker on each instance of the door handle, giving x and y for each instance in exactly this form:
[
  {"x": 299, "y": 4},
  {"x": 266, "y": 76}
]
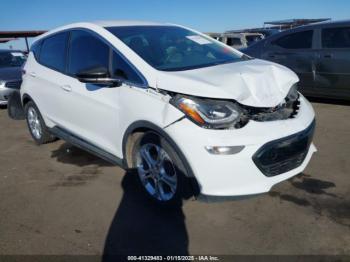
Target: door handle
[
  {"x": 328, "y": 56},
  {"x": 67, "y": 88},
  {"x": 32, "y": 74}
]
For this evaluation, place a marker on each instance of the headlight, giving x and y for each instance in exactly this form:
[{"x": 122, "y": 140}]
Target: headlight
[
  {"x": 2, "y": 83},
  {"x": 209, "y": 113},
  {"x": 293, "y": 93}
]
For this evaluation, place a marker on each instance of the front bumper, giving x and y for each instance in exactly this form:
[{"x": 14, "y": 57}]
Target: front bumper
[
  {"x": 238, "y": 174},
  {"x": 5, "y": 94}
]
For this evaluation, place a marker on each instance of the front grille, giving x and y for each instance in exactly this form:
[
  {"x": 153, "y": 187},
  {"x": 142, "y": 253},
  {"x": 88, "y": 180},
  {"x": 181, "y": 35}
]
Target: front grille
[
  {"x": 282, "y": 155},
  {"x": 287, "y": 109},
  {"x": 14, "y": 84}
]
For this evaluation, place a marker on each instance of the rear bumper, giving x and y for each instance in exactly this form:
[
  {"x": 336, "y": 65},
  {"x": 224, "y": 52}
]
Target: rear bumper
[{"x": 238, "y": 174}]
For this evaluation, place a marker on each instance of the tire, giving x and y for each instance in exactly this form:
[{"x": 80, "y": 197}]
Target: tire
[
  {"x": 36, "y": 125},
  {"x": 166, "y": 181}
]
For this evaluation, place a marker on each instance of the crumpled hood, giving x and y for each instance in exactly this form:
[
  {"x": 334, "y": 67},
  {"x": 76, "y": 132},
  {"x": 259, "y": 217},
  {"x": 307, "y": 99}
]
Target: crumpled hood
[
  {"x": 10, "y": 73},
  {"x": 253, "y": 82}
]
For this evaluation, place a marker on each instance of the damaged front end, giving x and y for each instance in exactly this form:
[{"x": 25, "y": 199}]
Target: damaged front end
[
  {"x": 228, "y": 114},
  {"x": 287, "y": 109}
]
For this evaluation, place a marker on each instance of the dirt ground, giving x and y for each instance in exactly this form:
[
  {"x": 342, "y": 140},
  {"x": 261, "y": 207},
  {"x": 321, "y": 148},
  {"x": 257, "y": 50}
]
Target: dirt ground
[{"x": 57, "y": 199}]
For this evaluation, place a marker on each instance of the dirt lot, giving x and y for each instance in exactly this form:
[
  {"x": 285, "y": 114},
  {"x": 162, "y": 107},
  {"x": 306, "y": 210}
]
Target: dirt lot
[{"x": 57, "y": 199}]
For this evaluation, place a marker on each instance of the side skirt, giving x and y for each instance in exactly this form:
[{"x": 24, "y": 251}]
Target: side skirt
[{"x": 78, "y": 142}]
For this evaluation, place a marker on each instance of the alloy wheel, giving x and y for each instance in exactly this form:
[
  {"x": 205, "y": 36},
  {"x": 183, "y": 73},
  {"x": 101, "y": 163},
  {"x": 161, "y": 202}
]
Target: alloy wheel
[
  {"x": 157, "y": 172},
  {"x": 34, "y": 123}
]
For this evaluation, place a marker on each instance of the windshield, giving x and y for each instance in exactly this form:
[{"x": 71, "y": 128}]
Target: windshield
[
  {"x": 172, "y": 48},
  {"x": 11, "y": 59}
]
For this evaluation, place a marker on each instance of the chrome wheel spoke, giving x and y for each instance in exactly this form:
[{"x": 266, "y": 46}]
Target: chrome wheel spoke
[
  {"x": 162, "y": 195},
  {"x": 146, "y": 155},
  {"x": 169, "y": 180},
  {"x": 157, "y": 193},
  {"x": 162, "y": 155}
]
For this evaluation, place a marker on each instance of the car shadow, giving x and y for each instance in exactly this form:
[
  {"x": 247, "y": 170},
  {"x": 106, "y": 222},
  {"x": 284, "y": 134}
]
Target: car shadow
[
  {"x": 142, "y": 227},
  {"x": 73, "y": 155}
]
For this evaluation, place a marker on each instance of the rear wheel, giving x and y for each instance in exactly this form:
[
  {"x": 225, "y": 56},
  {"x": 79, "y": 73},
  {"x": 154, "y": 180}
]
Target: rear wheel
[
  {"x": 36, "y": 125},
  {"x": 161, "y": 172}
]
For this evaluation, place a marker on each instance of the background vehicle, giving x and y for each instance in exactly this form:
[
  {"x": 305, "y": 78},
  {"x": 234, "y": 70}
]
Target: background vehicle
[
  {"x": 11, "y": 62},
  {"x": 266, "y": 32},
  {"x": 318, "y": 53},
  {"x": 240, "y": 40}
]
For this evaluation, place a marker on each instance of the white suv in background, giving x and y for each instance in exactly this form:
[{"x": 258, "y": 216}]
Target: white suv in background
[{"x": 186, "y": 111}]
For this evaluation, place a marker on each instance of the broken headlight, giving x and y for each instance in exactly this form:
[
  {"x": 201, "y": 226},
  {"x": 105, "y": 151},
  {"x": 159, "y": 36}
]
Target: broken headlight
[
  {"x": 293, "y": 93},
  {"x": 209, "y": 113}
]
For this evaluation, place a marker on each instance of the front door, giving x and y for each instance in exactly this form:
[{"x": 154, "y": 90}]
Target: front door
[{"x": 91, "y": 111}]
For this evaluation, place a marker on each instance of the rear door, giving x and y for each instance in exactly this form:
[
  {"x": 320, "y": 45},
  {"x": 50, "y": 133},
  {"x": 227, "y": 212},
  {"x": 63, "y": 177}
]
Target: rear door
[
  {"x": 295, "y": 51},
  {"x": 333, "y": 68}
]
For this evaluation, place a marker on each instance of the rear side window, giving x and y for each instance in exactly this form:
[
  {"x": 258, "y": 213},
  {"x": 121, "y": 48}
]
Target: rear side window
[
  {"x": 336, "y": 37},
  {"x": 53, "y": 51},
  {"x": 233, "y": 41},
  {"x": 86, "y": 51},
  {"x": 300, "y": 40},
  {"x": 121, "y": 69}
]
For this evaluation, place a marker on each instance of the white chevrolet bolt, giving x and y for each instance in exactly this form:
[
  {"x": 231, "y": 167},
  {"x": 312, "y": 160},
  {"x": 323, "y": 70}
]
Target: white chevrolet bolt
[{"x": 190, "y": 114}]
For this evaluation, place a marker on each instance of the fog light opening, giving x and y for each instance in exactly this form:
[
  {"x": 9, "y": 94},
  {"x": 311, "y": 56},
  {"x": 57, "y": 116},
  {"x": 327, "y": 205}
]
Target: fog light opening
[{"x": 224, "y": 150}]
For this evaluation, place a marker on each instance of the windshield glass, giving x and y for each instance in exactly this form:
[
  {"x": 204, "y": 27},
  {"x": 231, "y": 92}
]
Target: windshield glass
[
  {"x": 172, "y": 48},
  {"x": 11, "y": 59}
]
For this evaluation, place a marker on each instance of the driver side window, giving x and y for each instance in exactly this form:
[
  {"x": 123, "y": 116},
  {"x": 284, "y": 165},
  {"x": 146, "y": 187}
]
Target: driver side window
[
  {"x": 121, "y": 69},
  {"x": 86, "y": 51}
]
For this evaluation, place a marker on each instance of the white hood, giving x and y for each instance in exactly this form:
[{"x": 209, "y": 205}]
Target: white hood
[{"x": 253, "y": 82}]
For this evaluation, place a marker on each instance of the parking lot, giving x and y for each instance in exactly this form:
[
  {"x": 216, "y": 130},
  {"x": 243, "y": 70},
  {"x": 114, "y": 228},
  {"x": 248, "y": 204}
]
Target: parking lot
[{"x": 57, "y": 199}]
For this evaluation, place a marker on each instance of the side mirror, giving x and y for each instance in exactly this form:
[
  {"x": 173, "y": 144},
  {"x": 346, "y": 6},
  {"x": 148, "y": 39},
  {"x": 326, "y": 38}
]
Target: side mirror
[{"x": 98, "y": 76}]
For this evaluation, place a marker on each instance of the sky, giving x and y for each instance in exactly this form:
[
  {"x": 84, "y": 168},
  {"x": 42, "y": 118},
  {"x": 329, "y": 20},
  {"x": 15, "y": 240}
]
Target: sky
[{"x": 203, "y": 15}]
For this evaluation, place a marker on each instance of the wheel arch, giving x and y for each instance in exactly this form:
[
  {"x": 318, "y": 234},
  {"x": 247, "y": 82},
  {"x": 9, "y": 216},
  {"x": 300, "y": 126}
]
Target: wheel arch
[
  {"x": 140, "y": 127},
  {"x": 25, "y": 99}
]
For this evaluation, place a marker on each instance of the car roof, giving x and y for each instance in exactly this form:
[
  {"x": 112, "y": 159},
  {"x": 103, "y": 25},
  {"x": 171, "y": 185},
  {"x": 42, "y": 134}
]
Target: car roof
[
  {"x": 321, "y": 25},
  {"x": 103, "y": 24},
  {"x": 111, "y": 23},
  {"x": 340, "y": 23}
]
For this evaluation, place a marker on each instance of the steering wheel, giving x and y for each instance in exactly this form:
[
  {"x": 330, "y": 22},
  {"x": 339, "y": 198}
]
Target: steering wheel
[{"x": 172, "y": 55}]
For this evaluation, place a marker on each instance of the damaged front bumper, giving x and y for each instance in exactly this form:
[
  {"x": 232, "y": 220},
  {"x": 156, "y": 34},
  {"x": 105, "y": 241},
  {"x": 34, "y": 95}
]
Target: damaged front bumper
[{"x": 238, "y": 174}]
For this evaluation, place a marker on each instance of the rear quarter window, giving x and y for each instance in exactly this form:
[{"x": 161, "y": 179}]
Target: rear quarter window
[{"x": 336, "y": 37}]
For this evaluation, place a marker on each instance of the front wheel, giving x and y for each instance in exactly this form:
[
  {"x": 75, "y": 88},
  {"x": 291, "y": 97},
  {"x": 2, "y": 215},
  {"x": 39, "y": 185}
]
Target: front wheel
[{"x": 161, "y": 171}]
